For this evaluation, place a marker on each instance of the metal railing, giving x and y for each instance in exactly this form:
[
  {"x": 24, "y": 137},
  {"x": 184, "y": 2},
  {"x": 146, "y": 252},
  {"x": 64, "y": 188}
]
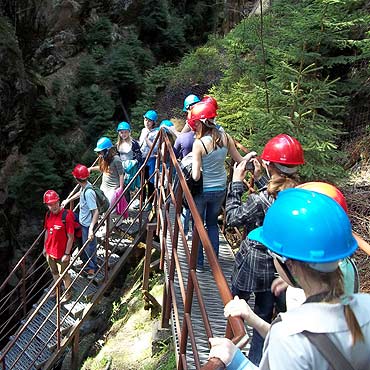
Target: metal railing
[{"x": 20, "y": 294}]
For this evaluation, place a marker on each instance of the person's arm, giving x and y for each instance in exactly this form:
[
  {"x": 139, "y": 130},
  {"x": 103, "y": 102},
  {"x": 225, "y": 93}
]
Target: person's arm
[
  {"x": 197, "y": 160},
  {"x": 239, "y": 307},
  {"x": 95, "y": 217},
  {"x": 137, "y": 152},
  {"x": 229, "y": 354},
  {"x": 235, "y": 155},
  {"x": 45, "y": 239},
  {"x": 69, "y": 225},
  {"x": 73, "y": 197},
  {"x": 239, "y": 213},
  {"x": 94, "y": 168}
]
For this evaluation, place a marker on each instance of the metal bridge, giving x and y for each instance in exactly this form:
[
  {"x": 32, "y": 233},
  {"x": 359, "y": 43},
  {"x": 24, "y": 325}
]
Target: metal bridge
[{"x": 36, "y": 336}]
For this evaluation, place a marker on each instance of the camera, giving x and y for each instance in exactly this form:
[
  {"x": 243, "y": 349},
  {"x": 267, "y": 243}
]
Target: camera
[{"x": 249, "y": 165}]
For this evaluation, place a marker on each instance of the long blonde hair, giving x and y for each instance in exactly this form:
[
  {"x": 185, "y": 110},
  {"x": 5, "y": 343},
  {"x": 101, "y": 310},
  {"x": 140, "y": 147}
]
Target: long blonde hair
[
  {"x": 120, "y": 141},
  {"x": 334, "y": 282}
]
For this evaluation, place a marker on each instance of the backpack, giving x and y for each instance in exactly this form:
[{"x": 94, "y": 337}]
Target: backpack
[
  {"x": 195, "y": 187},
  {"x": 102, "y": 202}
]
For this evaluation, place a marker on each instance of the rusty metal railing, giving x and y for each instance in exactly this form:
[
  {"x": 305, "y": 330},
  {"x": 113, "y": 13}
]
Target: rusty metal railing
[
  {"x": 63, "y": 341},
  {"x": 168, "y": 166}
]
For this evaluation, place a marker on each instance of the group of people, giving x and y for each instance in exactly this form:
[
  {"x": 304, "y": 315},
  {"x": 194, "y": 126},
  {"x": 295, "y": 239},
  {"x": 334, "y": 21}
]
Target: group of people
[
  {"x": 298, "y": 241},
  {"x": 296, "y": 236},
  {"x": 118, "y": 165}
]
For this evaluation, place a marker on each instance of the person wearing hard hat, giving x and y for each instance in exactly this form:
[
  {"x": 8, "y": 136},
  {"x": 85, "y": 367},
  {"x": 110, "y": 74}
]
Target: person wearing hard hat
[
  {"x": 88, "y": 217},
  {"x": 307, "y": 234},
  {"x": 210, "y": 149},
  {"x": 58, "y": 241},
  {"x": 147, "y": 137},
  {"x": 295, "y": 296},
  {"x": 254, "y": 270},
  {"x": 130, "y": 155}
]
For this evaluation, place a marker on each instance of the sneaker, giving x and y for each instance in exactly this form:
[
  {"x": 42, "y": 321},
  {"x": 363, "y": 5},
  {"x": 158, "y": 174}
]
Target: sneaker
[
  {"x": 135, "y": 204},
  {"x": 90, "y": 274}
]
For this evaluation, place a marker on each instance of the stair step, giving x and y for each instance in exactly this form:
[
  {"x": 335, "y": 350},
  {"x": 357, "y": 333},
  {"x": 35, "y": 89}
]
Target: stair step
[
  {"x": 112, "y": 260},
  {"x": 81, "y": 283},
  {"x": 36, "y": 350},
  {"x": 66, "y": 321},
  {"x": 74, "y": 308},
  {"x": 48, "y": 330},
  {"x": 24, "y": 363}
]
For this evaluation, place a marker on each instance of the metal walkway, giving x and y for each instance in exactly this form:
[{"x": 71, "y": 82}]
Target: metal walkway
[{"x": 211, "y": 296}]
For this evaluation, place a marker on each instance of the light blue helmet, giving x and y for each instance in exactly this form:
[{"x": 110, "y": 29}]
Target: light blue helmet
[
  {"x": 152, "y": 115},
  {"x": 189, "y": 101},
  {"x": 307, "y": 226},
  {"x": 166, "y": 123},
  {"x": 104, "y": 143},
  {"x": 123, "y": 126}
]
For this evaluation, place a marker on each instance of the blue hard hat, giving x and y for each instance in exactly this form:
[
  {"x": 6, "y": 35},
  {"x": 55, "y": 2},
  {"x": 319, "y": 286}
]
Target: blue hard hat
[
  {"x": 152, "y": 115},
  {"x": 189, "y": 101},
  {"x": 166, "y": 123},
  {"x": 306, "y": 226},
  {"x": 103, "y": 144},
  {"x": 123, "y": 126}
]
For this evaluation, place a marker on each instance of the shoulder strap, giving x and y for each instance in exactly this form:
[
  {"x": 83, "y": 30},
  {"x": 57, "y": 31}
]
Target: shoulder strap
[
  {"x": 328, "y": 350},
  {"x": 203, "y": 145}
]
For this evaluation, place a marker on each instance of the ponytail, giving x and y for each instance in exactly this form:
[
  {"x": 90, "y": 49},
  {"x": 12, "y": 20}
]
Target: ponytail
[
  {"x": 353, "y": 325},
  {"x": 334, "y": 282},
  {"x": 280, "y": 181}
]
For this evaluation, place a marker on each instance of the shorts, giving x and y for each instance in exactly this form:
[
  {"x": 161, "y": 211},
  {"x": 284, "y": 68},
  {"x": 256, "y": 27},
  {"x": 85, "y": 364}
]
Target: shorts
[{"x": 57, "y": 267}]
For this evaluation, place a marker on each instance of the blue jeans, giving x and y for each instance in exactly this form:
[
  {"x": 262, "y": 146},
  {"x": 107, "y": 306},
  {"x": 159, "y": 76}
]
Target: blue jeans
[
  {"x": 264, "y": 308},
  {"x": 209, "y": 206},
  {"x": 90, "y": 250}
]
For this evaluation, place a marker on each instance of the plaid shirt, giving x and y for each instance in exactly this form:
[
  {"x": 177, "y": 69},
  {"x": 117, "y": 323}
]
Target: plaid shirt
[{"x": 254, "y": 270}]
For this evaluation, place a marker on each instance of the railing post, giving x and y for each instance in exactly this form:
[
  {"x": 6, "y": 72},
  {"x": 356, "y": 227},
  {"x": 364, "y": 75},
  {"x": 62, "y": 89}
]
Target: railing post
[
  {"x": 148, "y": 254},
  {"x": 23, "y": 287},
  {"x": 106, "y": 247},
  {"x": 75, "y": 361},
  {"x": 58, "y": 313}
]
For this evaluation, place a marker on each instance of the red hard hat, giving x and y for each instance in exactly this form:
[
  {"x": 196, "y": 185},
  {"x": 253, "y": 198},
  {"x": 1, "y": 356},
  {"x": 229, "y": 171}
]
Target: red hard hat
[
  {"x": 326, "y": 189},
  {"x": 283, "y": 149},
  {"x": 210, "y": 99},
  {"x": 201, "y": 110},
  {"x": 51, "y": 196},
  {"x": 81, "y": 172}
]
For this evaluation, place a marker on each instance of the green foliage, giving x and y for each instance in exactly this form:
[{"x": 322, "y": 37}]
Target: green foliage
[
  {"x": 87, "y": 72},
  {"x": 155, "y": 82},
  {"x": 161, "y": 29},
  {"x": 289, "y": 82},
  {"x": 202, "y": 66},
  {"x": 99, "y": 33}
]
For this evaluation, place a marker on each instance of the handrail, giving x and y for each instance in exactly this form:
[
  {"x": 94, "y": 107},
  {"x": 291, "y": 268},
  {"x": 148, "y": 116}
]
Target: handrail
[
  {"x": 191, "y": 286},
  {"x": 57, "y": 284}
]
